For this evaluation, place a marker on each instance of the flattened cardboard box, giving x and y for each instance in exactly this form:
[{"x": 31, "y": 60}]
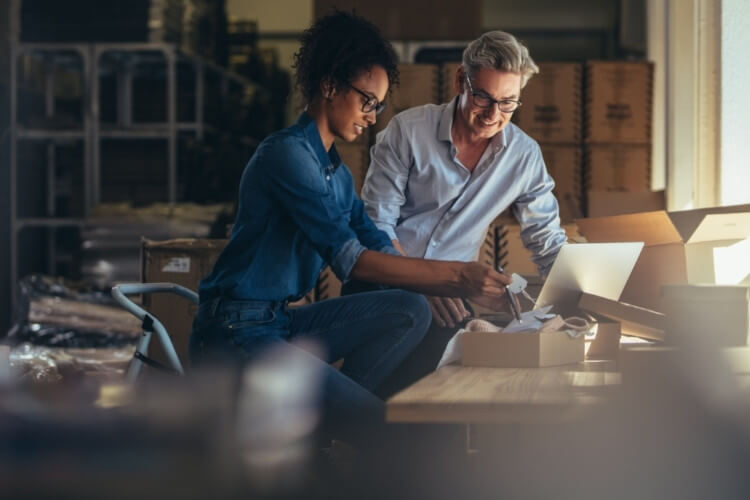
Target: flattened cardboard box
[
  {"x": 618, "y": 104},
  {"x": 447, "y": 77},
  {"x": 552, "y": 104},
  {"x": 693, "y": 246},
  {"x": 564, "y": 165},
  {"x": 184, "y": 262},
  {"x": 521, "y": 350},
  {"x": 617, "y": 167},
  {"x": 514, "y": 256},
  {"x": 419, "y": 85},
  {"x": 607, "y": 203},
  {"x": 634, "y": 320},
  {"x": 356, "y": 156}
]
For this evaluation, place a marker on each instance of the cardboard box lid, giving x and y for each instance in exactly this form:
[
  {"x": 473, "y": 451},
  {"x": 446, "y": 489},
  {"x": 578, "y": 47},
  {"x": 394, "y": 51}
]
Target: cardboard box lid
[
  {"x": 661, "y": 227},
  {"x": 652, "y": 228},
  {"x": 635, "y": 320},
  {"x": 609, "y": 203},
  {"x": 184, "y": 244},
  {"x": 706, "y": 293}
]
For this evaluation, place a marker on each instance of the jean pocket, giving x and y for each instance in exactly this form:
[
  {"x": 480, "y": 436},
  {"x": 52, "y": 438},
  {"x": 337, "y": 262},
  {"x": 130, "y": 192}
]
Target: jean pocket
[{"x": 247, "y": 318}]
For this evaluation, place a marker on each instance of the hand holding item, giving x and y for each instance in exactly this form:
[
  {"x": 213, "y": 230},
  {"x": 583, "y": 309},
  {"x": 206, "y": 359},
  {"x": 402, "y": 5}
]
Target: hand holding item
[{"x": 447, "y": 311}]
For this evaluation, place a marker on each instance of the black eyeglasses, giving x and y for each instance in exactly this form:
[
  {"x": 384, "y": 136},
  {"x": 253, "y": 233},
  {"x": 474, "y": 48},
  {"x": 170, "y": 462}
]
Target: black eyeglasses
[
  {"x": 371, "y": 103},
  {"x": 482, "y": 100}
]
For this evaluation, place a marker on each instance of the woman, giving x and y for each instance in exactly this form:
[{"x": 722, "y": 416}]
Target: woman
[{"x": 298, "y": 212}]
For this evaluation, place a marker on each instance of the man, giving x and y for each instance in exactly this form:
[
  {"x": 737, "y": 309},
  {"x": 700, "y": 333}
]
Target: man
[{"x": 439, "y": 175}]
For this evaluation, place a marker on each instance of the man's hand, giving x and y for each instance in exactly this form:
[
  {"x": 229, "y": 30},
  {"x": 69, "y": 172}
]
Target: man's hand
[{"x": 447, "y": 311}]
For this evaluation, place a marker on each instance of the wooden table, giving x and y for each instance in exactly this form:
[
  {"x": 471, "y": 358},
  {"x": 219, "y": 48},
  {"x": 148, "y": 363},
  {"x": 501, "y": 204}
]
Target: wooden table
[{"x": 462, "y": 394}]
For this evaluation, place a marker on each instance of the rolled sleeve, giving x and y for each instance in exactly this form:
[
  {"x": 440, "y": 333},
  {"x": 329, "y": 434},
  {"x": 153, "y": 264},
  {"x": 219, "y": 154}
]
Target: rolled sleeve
[
  {"x": 343, "y": 262},
  {"x": 538, "y": 214},
  {"x": 384, "y": 190}
]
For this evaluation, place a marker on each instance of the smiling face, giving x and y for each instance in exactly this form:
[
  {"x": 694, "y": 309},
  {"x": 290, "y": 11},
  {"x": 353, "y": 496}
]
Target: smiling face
[
  {"x": 345, "y": 117},
  {"x": 484, "y": 123}
]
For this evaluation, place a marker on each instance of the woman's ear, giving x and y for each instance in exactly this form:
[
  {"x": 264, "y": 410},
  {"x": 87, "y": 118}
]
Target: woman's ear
[{"x": 327, "y": 89}]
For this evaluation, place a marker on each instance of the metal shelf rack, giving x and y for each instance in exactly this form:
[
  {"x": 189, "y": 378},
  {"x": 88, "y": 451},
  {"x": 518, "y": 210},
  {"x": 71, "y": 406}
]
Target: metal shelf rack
[{"x": 91, "y": 131}]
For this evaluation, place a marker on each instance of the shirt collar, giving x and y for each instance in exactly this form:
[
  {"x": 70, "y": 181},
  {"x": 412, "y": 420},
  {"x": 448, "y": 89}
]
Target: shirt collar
[
  {"x": 312, "y": 134},
  {"x": 498, "y": 142}
]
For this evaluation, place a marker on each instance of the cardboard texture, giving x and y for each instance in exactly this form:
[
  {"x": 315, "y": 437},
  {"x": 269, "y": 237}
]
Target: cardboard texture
[
  {"x": 415, "y": 20},
  {"x": 184, "y": 262},
  {"x": 618, "y": 167},
  {"x": 564, "y": 165},
  {"x": 675, "y": 251},
  {"x": 520, "y": 350},
  {"x": 356, "y": 156},
  {"x": 419, "y": 84},
  {"x": 618, "y": 104},
  {"x": 447, "y": 76},
  {"x": 607, "y": 203},
  {"x": 488, "y": 250},
  {"x": 607, "y": 341},
  {"x": 513, "y": 255},
  {"x": 718, "y": 314},
  {"x": 633, "y": 320},
  {"x": 552, "y": 106},
  {"x": 328, "y": 285}
]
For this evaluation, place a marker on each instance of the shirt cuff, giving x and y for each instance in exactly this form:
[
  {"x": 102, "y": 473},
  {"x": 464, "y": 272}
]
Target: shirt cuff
[
  {"x": 387, "y": 229},
  {"x": 343, "y": 262},
  {"x": 390, "y": 251}
]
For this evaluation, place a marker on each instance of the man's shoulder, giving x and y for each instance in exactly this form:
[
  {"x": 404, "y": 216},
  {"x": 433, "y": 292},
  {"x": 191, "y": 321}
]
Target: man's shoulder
[
  {"x": 517, "y": 138},
  {"x": 419, "y": 115}
]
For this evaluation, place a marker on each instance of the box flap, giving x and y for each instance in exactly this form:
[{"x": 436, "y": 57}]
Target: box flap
[
  {"x": 716, "y": 227},
  {"x": 687, "y": 221},
  {"x": 183, "y": 244},
  {"x": 608, "y": 203},
  {"x": 652, "y": 228}
]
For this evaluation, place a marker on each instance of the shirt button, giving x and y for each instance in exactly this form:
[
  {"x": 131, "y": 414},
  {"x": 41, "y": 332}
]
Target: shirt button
[{"x": 434, "y": 244}]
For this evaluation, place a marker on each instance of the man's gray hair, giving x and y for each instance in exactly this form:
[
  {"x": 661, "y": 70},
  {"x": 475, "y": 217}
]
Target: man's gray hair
[{"x": 501, "y": 51}]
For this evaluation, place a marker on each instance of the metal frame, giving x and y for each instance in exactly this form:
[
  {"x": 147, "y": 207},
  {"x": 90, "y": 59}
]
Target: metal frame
[
  {"x": 120, "y": 293},
  {"x": 92, "y": 132}
]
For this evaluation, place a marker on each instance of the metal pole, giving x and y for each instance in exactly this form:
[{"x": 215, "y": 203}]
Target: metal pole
[
  {"x": 95, "y": 145},
  {"x": 172, "y": 124},
  {"x": 199, "y": 76},
  {"x": 49, "y": 112},
  {"x": 14, "y": 51}
]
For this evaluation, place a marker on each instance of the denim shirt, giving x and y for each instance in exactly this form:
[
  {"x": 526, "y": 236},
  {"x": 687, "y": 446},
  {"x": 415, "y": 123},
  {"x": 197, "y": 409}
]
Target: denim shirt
[{"x": 297, "y": 213}]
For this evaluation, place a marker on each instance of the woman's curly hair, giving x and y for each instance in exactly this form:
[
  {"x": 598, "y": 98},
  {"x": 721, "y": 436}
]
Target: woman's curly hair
[{"x": 337, "y": 48}]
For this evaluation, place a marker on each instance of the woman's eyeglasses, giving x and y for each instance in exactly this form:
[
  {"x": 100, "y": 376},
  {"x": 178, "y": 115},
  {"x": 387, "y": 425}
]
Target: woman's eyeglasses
[{"x": 371, "y": 103}]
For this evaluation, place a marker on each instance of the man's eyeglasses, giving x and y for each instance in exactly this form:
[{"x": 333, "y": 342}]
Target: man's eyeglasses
[
  {"x": 371, "y": 103},
  {"x": 482, "y": 100}
]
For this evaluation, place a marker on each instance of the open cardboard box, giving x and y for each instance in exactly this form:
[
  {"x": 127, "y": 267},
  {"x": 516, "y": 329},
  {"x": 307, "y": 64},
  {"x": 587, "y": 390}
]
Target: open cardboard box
[
  {"x": 709, "y": 245},
  {"x": 634, "y": 320},
  {"x": 521, "y": 350}
]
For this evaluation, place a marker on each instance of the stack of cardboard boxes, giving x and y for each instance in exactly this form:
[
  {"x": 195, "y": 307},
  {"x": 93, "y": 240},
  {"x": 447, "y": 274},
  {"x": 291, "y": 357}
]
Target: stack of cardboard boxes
[
  {"x": 617, "y": 128},
  {"x": 552, "y": 114}
]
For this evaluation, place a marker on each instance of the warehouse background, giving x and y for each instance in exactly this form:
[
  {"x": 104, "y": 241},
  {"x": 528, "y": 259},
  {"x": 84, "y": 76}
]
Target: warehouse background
[{"x": 248, "y": 48}]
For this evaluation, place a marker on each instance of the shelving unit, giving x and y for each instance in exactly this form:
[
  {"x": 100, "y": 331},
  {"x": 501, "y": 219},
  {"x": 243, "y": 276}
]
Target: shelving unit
[{"x": 92, "y": 61}]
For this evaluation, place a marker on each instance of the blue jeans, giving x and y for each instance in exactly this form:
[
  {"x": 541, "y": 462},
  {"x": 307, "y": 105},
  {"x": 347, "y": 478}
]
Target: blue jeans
[{"x": 372, "y": 331}]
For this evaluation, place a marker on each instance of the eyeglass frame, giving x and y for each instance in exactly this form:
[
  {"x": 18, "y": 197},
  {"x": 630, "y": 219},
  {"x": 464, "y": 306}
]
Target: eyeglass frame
[
  {"x": 379, "y": 106},
  {"x": 492, "y": 100}
]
